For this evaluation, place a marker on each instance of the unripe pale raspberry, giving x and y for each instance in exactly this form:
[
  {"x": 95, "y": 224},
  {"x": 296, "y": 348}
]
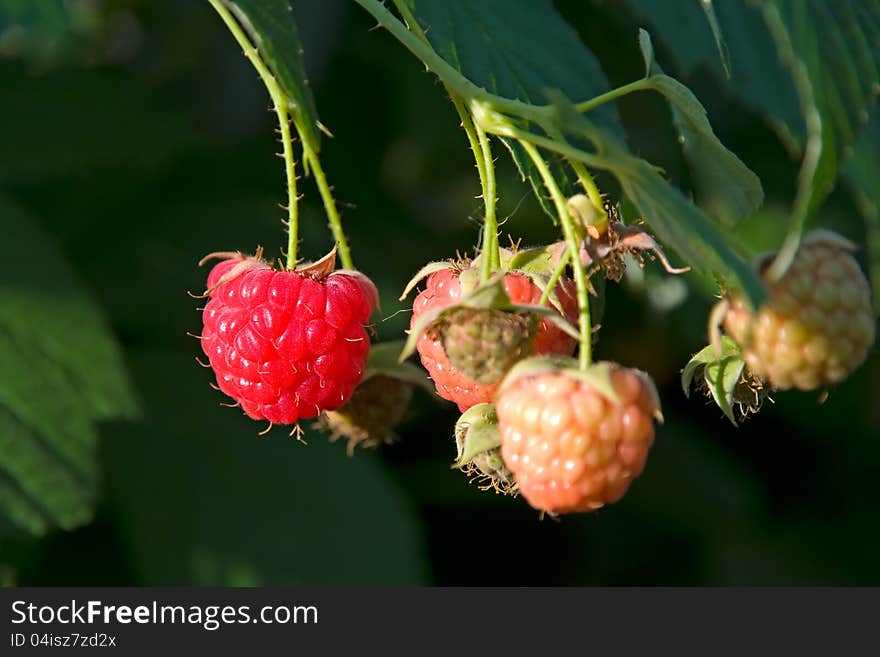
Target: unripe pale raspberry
[
  {"x": 443, "y": 289},
  {"x": 570, "y": 446},
  {"x": 817, "y": 324},
  {"x": 485, "y": 343},
  {"x": 285, "y": 345},
  {"x": 369, "y": 417}
]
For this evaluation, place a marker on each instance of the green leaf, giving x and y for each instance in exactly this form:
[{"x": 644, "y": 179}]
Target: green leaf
[
  {"x": 681, "y": 225},
  {"x": 725, "y": 187},
  {"x": 863, "y": 175},
  {"x": 757, "y": 76},
  {"x": 60, "y": 373},
  {"x": 709, "y": 10},
  {"x": 676, "y": 221},
  {"x": 811, "y": 66},
  {"x": 518, "y": 51},
  {"x": 275, "y": 35},
  {"x": 529, "y": 173}
]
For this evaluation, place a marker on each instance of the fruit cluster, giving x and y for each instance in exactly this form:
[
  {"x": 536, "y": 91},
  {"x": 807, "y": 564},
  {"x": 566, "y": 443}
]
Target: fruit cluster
[
  {"x": 497, "y": 334},
  {"x": 290, "y": 345}
]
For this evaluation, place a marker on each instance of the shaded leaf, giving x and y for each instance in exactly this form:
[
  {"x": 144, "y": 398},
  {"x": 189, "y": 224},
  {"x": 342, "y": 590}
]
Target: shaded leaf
[
  {"x": 273, "y": 29},
  {"x": 709, "y": 10},
  {"x": 203, "y": 500},
  {"x": 863, "y": 174},
  {"x": 60, "y": 372},
  {"x": 118, "y": 120}
]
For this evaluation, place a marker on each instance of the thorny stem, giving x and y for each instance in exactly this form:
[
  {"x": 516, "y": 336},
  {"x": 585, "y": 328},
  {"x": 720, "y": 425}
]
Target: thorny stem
[
  {"x": 593, "y": 103},
  {"x": 332, "y": 213},
  {"x": 280, "y": 101},
  {"x": 563, "y": 148},
  {"x": 812, "y": 148},
  {"x": 554, "y": 278},
  {"x": 492, "y": 256},
  {"x": 568, "y": 229},
  {"x": 292, "y": 198},
  {"x": 587, "y": 182},
  {"x": 482, "y": 151},
  {"x": 452, "y": 78},
  {"x": 474, "y": 141},
  {"x": 413, "y": 39}
]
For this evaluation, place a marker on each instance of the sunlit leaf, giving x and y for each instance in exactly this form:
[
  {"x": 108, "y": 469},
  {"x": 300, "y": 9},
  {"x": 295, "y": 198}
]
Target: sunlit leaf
[
  {"x": 486, "y": 41},
  {"x": 725, "y": 187}
]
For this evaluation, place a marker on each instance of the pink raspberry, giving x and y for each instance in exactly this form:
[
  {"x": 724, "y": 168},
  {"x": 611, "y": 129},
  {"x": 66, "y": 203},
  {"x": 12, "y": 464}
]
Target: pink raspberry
[
  {"x": 286, "y": 345},
  {"x": 570, "y": 446},
  {"x": 443, "y": 289}
]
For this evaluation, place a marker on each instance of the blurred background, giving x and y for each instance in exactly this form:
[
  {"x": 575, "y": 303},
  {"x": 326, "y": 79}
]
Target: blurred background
[{"x": 136, "y": 138}]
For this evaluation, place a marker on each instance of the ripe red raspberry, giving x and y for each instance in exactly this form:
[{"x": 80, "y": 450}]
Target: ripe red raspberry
[
  {"x": 570, "y": 445},
  {"x": 443, "y": 289},
  {"x": 286, "y": 345},
  {"x": 816, "y": 326}
]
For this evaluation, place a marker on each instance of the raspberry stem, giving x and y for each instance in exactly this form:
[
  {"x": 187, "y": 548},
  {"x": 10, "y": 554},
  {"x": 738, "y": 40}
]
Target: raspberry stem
[
  {"x": 414, "y": 40},
  {"x": 570, "y": 232},
  {"x": 281, "y": 103},
  {"x": 554, "y": 278},
  {"x": 482, "y": 151},
  {"x": 332, "y": 213},
  {"x": 586, "y": 181},
  {"x": 491, "y": 254}
]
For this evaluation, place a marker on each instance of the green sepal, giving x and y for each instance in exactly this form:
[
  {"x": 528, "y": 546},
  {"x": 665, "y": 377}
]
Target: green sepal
[
  {"x": 383, "y": 360},
  {"x": 424, "y": 272},
  {"x": 721, "y": 372},
  {"x": 597, "y": 376},
  {"x": 476, "y": 431},
  {"x": 539, "y": 260},
  {"x": 489, "y": 295}
]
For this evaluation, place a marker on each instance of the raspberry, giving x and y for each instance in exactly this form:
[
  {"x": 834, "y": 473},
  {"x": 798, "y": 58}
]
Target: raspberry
[
  {"x": 369, "y": 417},
  {"x": 570, "y": 444},
  {"x": 485, "y": 343},
  {"x": 443, "y": 289},
  {"x": 286, "y": 345},
  {"x": 816, "y": 326}
]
